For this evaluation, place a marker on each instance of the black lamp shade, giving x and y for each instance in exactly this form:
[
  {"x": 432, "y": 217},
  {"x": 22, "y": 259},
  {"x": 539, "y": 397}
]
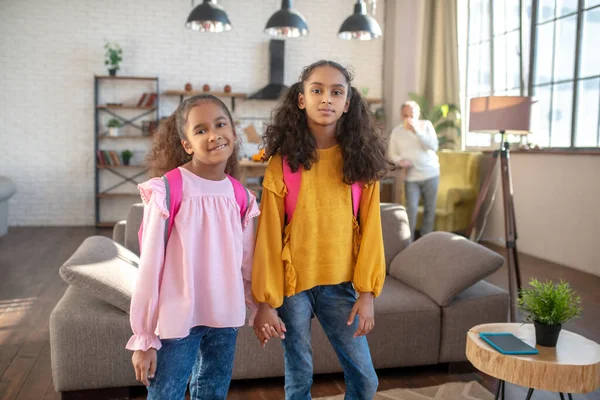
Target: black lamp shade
[
  {"x": 286, "y": 22},
  {"x": 208, "y": 17},
  {"x": 360, "y": 25}
]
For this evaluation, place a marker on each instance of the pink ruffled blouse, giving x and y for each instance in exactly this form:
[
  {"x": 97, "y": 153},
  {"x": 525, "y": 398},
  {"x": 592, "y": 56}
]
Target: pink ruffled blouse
[{"x": 204, "y": 276}]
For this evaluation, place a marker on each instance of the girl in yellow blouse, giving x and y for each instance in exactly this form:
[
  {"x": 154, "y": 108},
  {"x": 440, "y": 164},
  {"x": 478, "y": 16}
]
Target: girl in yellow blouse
[{"x": 323, "y": 262}]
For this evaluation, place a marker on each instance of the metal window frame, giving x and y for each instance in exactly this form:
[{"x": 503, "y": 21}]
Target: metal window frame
[
  {"x": 529, "y": 86},
  {"x": 576, "y": 66}
]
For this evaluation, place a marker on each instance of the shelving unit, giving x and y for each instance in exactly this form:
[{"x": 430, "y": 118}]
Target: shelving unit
[
  {"x": 125, "y": 173},
  {"x": 125, "y": 108},
  {"x": 123, "y": 137},
  {"x": 185, "y": 93}
]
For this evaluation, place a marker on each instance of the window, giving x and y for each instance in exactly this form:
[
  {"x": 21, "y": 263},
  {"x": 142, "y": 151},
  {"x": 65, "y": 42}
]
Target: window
[
  {"x": 494, "y": 60},
  {"x": 564, "y": 75}
]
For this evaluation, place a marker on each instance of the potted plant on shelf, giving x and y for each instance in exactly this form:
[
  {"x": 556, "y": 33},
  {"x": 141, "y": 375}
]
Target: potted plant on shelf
[
  {"x": 113, "y": 127},
  {"x": 114, "y": 55},
  {"x": 126, "y": 155},
  {"x": 549, "y": 306}
]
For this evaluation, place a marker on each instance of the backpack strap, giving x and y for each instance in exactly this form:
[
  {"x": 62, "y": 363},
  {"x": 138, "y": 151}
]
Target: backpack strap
[
  {"x": 242, "y": 196},
  {"x": 356, "y": 196},
  {"x": 174, "y": 187},
  {"x": 292, "y": 182}
]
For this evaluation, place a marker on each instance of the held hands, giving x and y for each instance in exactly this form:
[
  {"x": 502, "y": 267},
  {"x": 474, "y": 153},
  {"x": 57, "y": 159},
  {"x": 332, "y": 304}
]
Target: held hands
[
  {"x": 267, "y": 324},
  {"x": 366, "y": 316},
  {"x": 144, "y": 364}
]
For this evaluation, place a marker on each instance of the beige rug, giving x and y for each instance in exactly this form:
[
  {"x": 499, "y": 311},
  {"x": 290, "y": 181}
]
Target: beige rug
[{"x": 449, "y": 391}]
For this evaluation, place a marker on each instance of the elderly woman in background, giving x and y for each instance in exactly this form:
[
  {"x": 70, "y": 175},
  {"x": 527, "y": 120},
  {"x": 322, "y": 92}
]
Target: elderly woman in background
[{"x": 413, "y": 146}]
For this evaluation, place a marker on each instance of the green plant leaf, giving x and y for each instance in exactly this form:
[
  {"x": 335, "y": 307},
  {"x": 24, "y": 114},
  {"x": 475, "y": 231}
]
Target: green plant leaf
[
  {"x": 446, "y": 125},
  {"x": 548, "y": 303}
]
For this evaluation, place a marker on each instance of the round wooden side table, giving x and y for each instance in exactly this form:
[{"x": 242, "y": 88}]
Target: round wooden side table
[{"x": 573, "y": 366}]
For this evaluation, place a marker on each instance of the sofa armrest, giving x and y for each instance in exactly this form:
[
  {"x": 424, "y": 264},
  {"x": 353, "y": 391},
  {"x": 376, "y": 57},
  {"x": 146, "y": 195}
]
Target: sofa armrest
[
  {"x": 395, "y": 229},
  {"x": 134, "y": 220},
  {"x": 119, "y": 232}
]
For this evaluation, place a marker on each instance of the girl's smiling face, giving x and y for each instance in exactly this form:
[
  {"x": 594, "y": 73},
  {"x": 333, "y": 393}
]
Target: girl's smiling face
[
  {"x": 210, "y": 136},
  {"x": 325, "y": 96}
]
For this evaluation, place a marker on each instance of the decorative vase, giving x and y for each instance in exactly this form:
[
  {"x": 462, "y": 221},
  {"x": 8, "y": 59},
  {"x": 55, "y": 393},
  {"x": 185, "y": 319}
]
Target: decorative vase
[
  {"x": 112, "y": 71},
  {"x": 227, "y": 89},
  {"x": 113, "y": 132},
  {"x": 188, "y": 87},
  {"x": 546, "y": 335},
  {"x": 206, "y": 87},
  {"x": 126, "y": 161}
]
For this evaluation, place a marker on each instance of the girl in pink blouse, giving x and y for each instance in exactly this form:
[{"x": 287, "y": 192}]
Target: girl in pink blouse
[{"x": 191, "y": 297}]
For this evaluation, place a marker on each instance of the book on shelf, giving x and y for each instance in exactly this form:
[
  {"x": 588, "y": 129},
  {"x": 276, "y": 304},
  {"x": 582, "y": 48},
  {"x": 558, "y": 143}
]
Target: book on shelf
[
  {"x": 109, "y": 157},
  {"x": 115, "y": 157},
  {"x": 151, "y": 99},
  {"x": 142, "y": 100}
]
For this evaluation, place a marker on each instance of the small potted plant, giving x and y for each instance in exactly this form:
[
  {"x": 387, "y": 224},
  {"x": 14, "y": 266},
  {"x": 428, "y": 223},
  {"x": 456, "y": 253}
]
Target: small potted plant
[
  {"x": 126, "y": 155},
  {"x": 114, "y": 55},
  {"x": 113, "y": 127},
  {"x": 549, "y": 306}
]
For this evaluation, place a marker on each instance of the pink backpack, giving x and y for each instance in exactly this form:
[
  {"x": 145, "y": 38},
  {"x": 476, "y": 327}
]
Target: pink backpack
[
  {"x": 292, "y": 182},
  {"x": 174, "y": 186}
]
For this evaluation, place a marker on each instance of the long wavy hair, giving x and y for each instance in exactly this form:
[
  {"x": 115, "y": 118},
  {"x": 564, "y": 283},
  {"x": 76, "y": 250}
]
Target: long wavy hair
[
  {"x": 361, "y": 141},
  {"x": 167, "y": 151}
]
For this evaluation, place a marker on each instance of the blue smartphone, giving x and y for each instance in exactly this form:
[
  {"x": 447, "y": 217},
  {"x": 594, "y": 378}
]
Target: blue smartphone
[{"x": 507, "y": 343}]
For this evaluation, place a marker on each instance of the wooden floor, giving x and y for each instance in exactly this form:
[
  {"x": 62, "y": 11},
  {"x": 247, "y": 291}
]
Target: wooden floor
[{"x": 30, "y": 287}]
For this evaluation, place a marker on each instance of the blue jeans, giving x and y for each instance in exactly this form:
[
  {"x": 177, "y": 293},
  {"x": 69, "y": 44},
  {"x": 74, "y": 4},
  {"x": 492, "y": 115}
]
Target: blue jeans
[
  {"x": 428, "y": 189},
  {"x": 332, "y": 305},
  {"x": 206, "y": 355}
]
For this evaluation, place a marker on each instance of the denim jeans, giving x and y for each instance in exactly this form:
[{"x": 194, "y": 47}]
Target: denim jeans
[
  {"x": 206, "y": 355},
  {"x": 332, "y": 305},
  {"x": 428, "y": 189}
]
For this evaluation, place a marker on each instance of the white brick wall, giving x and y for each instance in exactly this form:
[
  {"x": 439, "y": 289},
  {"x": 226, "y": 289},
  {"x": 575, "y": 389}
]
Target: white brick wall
[{"x": 51, "y": 49}]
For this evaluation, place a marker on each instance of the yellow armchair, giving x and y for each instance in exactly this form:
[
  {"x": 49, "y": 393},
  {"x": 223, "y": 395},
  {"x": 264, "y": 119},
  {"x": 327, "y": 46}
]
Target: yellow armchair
[{"x": 457, "y": 192}]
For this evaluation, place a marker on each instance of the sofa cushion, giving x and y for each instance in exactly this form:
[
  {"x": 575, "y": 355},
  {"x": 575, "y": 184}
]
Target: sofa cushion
[
  {"x": 407, "y": 327},
  {"x": 103, "y": 269},
  {"x": 481, "y": 303},
  {"x": 87, "y": 342},
  {"x": 442, "y": 265}
]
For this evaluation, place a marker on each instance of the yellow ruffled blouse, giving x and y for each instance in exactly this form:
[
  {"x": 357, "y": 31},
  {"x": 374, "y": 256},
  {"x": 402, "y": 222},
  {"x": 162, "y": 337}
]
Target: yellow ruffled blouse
[{"x": 323, "y": 244}]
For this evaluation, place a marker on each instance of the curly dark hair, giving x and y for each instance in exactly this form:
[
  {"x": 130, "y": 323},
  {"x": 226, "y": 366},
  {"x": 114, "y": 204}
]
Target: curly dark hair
[
  {"x": 167, "y": 151},
  {"x": 363, "y": 146}
]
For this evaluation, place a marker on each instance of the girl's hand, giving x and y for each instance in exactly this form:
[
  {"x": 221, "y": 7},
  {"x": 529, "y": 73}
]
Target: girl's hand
[
  {"x": 144, "y": 364},
  {"x": 366, "y": 316},
  {"x": 267, "y": 324}
]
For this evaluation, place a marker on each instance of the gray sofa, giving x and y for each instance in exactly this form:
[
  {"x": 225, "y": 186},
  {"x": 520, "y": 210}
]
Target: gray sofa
[
  {"x": 7, "y": 190},
  {"x": 433, "y": 294}
]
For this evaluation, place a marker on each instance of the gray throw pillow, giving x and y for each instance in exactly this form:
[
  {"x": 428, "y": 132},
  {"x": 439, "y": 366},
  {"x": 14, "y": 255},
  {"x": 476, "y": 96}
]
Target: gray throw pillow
[
  {"x": 441, "y": 265},
  {"x": 103, "y": 269}
]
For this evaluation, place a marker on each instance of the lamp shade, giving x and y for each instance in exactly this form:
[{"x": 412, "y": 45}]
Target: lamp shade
[
  {"x": 286, "y": 22},
  {"x": 208, "y": 17},
  {"x": 508, "y": 114},
  {"x": 360, "y": 25}
]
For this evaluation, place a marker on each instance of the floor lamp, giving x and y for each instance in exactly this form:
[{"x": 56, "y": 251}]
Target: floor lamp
[{"x": 504, "y": 115}]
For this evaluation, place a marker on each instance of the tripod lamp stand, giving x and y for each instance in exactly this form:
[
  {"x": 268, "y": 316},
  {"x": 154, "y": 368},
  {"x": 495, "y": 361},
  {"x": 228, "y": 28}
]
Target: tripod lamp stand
[{"x": 504, "y": 115}]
